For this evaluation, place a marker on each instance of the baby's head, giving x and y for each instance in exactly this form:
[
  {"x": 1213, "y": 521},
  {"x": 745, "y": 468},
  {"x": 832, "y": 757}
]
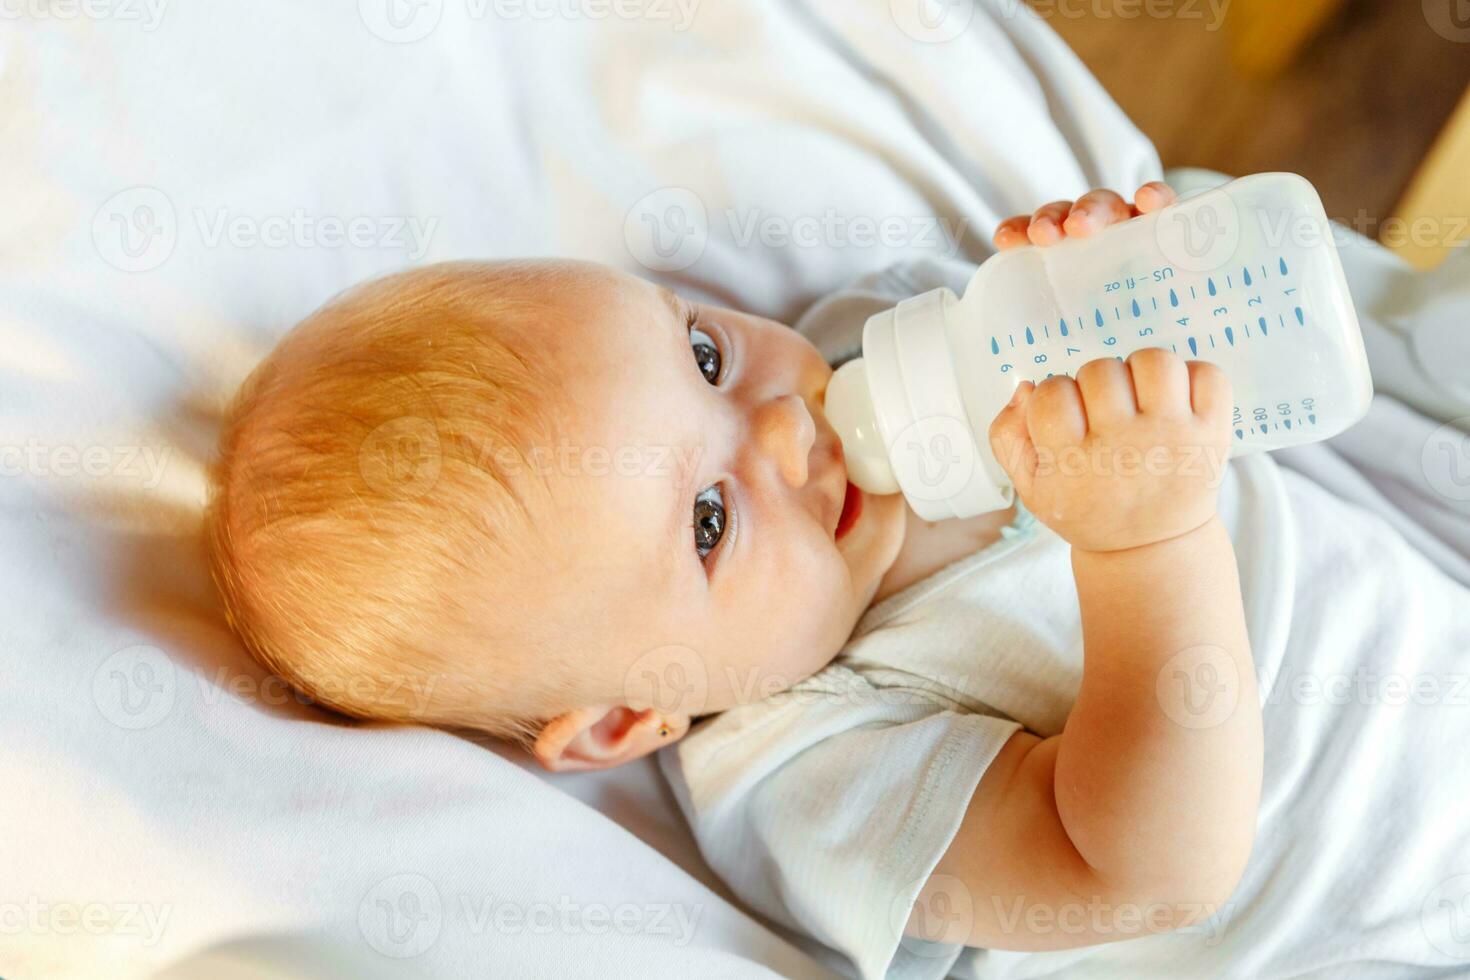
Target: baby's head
[{"x": 545, "y": 500}]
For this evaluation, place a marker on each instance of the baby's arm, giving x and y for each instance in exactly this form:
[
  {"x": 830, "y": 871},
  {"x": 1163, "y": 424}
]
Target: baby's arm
[{"x": 1140, "y": 816}]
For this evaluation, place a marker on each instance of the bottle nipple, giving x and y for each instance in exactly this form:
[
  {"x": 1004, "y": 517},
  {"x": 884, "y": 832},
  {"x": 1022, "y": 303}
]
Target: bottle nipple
[{"x": 849, "y": 407}]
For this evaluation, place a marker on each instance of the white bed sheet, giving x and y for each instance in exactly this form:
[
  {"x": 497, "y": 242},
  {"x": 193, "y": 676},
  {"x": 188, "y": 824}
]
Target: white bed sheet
[
  {"x": 164, "y": 806},
  {"x": 177, "y": 181}
]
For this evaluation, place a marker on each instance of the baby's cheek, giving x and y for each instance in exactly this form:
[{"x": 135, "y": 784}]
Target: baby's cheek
[{"x": 818, "y": 603}]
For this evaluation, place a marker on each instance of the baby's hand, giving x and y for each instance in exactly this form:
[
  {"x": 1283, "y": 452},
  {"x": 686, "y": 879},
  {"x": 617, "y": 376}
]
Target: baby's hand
[
  {"x": 1125, "y": 456},
  {"x": 1089, "y": 215}
]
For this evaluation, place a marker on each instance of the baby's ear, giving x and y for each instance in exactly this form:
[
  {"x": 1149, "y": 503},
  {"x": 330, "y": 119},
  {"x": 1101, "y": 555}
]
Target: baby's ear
[{"x": 604, "y": 736}]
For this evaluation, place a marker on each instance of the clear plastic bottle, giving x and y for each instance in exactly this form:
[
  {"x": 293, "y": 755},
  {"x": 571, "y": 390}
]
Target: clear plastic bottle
[{"x": 1246, "y": 276}]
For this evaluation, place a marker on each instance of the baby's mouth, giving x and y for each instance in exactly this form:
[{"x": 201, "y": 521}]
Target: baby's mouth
[
  {"x": 852, "y": 509},
  {"x": 852, "y": 499}
]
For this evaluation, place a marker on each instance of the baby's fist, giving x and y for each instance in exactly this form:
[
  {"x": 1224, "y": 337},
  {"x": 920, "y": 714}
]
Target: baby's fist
[{"x": 1127, "y": 455}]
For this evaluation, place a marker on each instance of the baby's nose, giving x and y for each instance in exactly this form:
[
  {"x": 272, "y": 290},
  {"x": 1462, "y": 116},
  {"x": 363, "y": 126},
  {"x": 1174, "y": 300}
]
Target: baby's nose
[{"x": 785, "y": 432}]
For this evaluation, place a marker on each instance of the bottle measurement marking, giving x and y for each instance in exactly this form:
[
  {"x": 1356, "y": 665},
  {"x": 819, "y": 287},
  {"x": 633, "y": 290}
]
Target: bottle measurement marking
[
  {"x": 1136, "y": 306},
  {"x": 1287, "y": 418}
]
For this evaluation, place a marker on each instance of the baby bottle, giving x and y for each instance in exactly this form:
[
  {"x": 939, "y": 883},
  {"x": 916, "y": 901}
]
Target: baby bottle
[{"x": 1246, "y": 276}]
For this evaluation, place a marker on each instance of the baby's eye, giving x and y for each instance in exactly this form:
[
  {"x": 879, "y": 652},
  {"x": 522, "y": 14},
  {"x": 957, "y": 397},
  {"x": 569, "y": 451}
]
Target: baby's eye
[
  {"x": 706, "y": 354},
  {"x": 709, "y": 520}
]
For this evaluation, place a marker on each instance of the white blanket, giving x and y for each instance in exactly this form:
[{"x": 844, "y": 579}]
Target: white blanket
[{"x": 180, "y": 185}]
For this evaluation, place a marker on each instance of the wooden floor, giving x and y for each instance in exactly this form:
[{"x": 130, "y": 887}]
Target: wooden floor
[{"x": 1355, "y": 113}]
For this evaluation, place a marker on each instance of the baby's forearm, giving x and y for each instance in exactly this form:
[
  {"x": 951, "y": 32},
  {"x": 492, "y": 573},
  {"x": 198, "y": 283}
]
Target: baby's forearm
[
  {"x": 1148, "y": 797},
  {"x": 1158, "y": 772}
]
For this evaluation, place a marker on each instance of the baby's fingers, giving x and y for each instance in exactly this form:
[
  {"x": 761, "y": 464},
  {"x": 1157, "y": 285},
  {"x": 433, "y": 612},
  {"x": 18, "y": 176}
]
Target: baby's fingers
[
  {"x": 1095, "y": 211},
  {"x": 1209, "y": 391},
  {"x": 1046, "y": 223},
  {"x": 1011, "y": 441},
  {"x": 1152, "y": 196},
  {"x": 1012, "y": 233}
]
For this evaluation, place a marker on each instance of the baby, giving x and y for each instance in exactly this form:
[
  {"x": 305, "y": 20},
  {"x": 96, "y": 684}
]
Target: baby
[{"x": 560, "y": 504}]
